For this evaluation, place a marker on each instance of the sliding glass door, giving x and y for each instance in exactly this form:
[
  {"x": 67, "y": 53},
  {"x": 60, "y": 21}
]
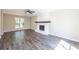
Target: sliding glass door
[{"x": 19, "y": 23}]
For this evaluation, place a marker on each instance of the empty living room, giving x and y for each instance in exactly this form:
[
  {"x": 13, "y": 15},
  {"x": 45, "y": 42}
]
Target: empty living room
[{"x": 39, "y": 29}]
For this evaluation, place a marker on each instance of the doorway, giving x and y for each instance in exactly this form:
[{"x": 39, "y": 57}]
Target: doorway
[{"x": 19, "y": 23}]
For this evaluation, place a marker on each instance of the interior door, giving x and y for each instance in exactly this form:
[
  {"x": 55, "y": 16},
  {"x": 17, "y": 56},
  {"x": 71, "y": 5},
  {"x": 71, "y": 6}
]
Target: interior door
[{"x": 19, "y": 23}]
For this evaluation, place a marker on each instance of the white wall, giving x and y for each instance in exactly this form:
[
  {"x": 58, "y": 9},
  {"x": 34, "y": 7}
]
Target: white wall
[
  {"x": 33, "y": 24},
  {"x": 65, "y": 24},
  {"x": 1, "y": 23},
  {"x": 9, "y": 22},
  {"x": 43, "y": 15}
]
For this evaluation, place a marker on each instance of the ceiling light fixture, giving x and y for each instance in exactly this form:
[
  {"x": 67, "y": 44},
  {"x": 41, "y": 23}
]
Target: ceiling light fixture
[{"x": 29, "y": 11}]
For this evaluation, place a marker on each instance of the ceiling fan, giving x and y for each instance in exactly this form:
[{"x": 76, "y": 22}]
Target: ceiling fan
[{"x": 29, "y": 11}]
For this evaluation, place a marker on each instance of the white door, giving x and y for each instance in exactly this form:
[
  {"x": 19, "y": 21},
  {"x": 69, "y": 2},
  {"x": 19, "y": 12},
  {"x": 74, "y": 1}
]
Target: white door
[{"x": 19, "y": 23}]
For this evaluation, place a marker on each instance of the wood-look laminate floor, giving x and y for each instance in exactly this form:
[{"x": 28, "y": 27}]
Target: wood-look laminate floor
[{"x": 30, "y": 40}]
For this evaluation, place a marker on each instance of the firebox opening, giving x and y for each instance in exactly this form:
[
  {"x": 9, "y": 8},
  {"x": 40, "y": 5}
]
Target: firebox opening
[{"x": 41, "y": 27}]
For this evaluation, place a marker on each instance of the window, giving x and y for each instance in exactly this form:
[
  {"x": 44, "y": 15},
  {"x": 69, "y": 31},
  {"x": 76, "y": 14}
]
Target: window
[{"x": 19, "y": 22}]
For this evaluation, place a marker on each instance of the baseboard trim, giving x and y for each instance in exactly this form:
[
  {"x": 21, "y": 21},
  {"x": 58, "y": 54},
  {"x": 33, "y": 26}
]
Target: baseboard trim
[{"x": 64, "y": 37}]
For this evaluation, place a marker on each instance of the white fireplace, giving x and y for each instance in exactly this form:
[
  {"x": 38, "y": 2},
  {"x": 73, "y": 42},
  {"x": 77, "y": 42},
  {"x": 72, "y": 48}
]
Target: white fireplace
[{"x": 43, "y": 27}]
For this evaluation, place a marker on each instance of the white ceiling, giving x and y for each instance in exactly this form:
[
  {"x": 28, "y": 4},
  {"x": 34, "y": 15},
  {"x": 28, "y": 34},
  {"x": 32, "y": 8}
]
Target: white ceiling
[{"x": 22, "y": 11}]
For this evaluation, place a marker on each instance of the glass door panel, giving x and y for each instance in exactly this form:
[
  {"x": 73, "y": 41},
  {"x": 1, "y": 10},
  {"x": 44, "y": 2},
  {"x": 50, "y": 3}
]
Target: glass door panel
[{"x": 19, "y": 23}]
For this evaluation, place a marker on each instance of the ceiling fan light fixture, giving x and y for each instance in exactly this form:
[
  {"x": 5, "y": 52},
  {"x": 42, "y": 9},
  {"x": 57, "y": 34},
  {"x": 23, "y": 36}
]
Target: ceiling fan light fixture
[{"x": 29, "y": 11}]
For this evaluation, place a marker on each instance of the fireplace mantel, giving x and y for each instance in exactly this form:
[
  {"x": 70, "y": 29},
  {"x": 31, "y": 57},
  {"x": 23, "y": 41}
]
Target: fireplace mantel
[{"x": 43, "y": 22}]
